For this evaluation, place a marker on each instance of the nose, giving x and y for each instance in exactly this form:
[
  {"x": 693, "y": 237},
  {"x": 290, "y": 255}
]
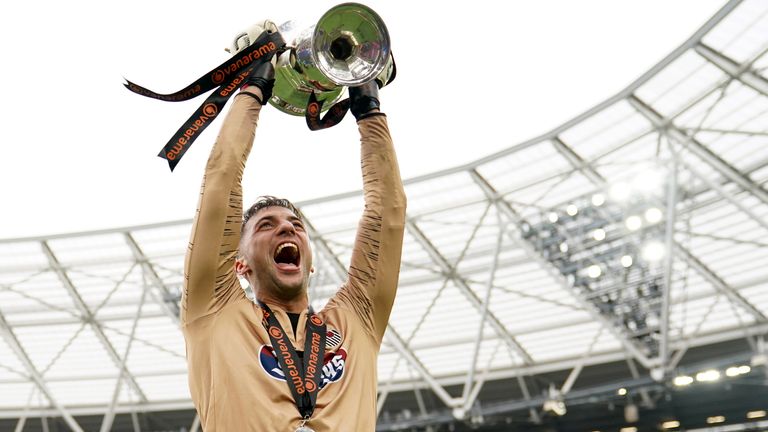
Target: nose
[{"x": 286, "y": 227}]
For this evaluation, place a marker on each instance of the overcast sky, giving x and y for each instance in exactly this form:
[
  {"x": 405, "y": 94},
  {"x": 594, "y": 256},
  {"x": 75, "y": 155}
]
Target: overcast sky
[{"x": 79, "y": 151}]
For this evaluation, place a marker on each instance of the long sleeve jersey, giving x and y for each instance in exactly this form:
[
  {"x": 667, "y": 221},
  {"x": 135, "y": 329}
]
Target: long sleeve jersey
[{"x": 235, "y": 380}]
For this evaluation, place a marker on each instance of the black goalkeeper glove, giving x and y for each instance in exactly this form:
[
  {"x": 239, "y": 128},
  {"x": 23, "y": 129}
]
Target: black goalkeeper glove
[
  {"x": 263, "y": 77},
  {"x": 364, "y": 100}
]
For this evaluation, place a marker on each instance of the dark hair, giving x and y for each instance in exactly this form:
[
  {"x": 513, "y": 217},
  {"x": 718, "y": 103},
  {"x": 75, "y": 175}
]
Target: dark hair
[{"x": 269, "y": 201}]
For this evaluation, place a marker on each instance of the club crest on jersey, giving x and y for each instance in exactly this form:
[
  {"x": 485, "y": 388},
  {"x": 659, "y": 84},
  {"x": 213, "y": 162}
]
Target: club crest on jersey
[
  {"x": 332, "y": 338},
  {"x": 333, "y": 365}
]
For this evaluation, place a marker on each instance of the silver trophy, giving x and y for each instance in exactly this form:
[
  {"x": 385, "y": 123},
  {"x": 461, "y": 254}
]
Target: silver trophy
[{"x": 349, "y": 46}]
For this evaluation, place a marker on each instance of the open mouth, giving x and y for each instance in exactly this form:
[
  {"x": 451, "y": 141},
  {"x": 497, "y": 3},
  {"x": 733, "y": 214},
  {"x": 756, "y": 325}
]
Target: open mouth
[{"x": 287, "y": 254}]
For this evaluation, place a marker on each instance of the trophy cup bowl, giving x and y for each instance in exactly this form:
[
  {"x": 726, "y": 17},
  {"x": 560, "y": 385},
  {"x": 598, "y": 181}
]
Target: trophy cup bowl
[{"x": 348, "y": 46}]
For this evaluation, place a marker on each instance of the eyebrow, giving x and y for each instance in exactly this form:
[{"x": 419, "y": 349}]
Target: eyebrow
[{"x": 292, "y": 218}]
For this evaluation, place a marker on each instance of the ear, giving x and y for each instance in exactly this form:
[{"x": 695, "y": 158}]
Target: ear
[{"x": 242, "y": 268}]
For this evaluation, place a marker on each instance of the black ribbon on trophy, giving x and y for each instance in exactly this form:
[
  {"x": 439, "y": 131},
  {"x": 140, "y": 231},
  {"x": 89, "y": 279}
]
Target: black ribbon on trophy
[
  {"x": 227, "y": 76},
  {"x": 349, "y": 46},
  {"x": 334, "y": 115}
]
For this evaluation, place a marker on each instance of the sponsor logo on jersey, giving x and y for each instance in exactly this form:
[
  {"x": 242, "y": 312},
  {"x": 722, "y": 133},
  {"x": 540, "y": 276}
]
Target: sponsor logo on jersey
[{"x": 333, "y": 365}]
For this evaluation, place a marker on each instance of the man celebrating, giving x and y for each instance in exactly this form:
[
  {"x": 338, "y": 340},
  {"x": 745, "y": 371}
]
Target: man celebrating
[{"x": 276, "y": 364}]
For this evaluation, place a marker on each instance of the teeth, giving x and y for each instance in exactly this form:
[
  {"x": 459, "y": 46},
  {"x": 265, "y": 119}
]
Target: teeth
[
  {"x": 285, "y": 245},
  {"x": 291, "y": 256}
]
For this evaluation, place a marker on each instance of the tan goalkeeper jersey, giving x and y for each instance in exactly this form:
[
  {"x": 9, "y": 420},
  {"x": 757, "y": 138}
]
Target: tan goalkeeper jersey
[{"x": 235, "y": 380}]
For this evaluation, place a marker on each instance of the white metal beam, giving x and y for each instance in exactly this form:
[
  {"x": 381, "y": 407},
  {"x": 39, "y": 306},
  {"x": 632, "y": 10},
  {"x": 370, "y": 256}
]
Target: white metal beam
[
  {"x": 474, "y": 300},
  {"x": 195, "y": 424},
  {"x": 89, "y": 318},
  {"x": 381, "y": 398},
  {"x": 666, "y": 289},
  {"x": 135, "y": 422},
  {"x": 719, "y": 283},
  {"x": 483, "y": 315},
  {"x": 36, "y": 377},
  {"x": 725, "y": 195},
  {"x": 647, "y": 401},
  {"x": 20, "y": 424},
  {"x": 742, "y": 72},
  {"x": 109, "y": 416},
  {"x": 165, "y": 297},
  {"x": 699, "y": 149}
]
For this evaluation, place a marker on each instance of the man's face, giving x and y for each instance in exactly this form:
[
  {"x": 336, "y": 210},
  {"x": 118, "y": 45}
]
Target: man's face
[{"x": 276, "y": 252}]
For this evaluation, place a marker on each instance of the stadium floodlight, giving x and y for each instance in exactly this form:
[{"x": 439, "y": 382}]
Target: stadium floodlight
[
  {"x": 670, "y": 424},
  {"x": 554, "y": 403},
  {"x": 653, "y": 251},
  {"x": 633, "y": 223},
  {"x": 620, "y": 191},
  {"x": 650, "y": 181},
  {"x": 598, "y": 234},
  {"x": 610, "y": 271},
  {"x": 552, "y": 217},
  {"x": 683, "y": 380},
  {"x": 734, "y": 371},
  {"x": 594, "y": 271},
  {"x": 708, "y": 375},
  {"x": 653, "y": 215},
  {"x": 598, "y": 199},
  {"x": 555, "y": 406},
  {"x": 631, "y": 413},
  {"x": 715, "y": 419}
]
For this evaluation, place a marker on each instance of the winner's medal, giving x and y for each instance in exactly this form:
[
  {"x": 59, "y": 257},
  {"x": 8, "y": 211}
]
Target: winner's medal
[{"x": 304, "y": 428}]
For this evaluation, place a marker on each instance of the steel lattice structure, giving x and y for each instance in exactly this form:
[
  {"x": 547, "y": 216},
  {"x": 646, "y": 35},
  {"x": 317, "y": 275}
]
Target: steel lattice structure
[{"x": 496, "y": 264}]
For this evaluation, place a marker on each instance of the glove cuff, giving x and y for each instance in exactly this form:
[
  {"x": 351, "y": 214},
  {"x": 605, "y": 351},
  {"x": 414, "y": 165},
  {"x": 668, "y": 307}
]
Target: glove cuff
[
  {"x": 370, "y": 114},
  {"x": 364, "y": 100},
  {"x": 253, "y": 95},
  {"x": 262, "y": 77}
]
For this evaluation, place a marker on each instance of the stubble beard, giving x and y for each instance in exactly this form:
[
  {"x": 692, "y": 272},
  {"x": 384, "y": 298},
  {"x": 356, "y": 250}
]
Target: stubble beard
[{"x": 288, "y": 290}]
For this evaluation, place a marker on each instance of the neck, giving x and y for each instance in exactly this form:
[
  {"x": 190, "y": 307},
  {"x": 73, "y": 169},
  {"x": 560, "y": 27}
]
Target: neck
[{"x": 298, "y": 304}]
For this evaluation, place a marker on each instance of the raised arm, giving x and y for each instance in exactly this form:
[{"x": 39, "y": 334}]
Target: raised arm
[
  {"x": 375, "y": 264},
  {"x": 209, "y": 277}
]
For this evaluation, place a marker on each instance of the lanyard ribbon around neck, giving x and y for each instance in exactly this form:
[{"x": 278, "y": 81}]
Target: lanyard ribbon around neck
[
  {"x": 303, "y": 376},
  {"x": 228, "y": 77}
]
